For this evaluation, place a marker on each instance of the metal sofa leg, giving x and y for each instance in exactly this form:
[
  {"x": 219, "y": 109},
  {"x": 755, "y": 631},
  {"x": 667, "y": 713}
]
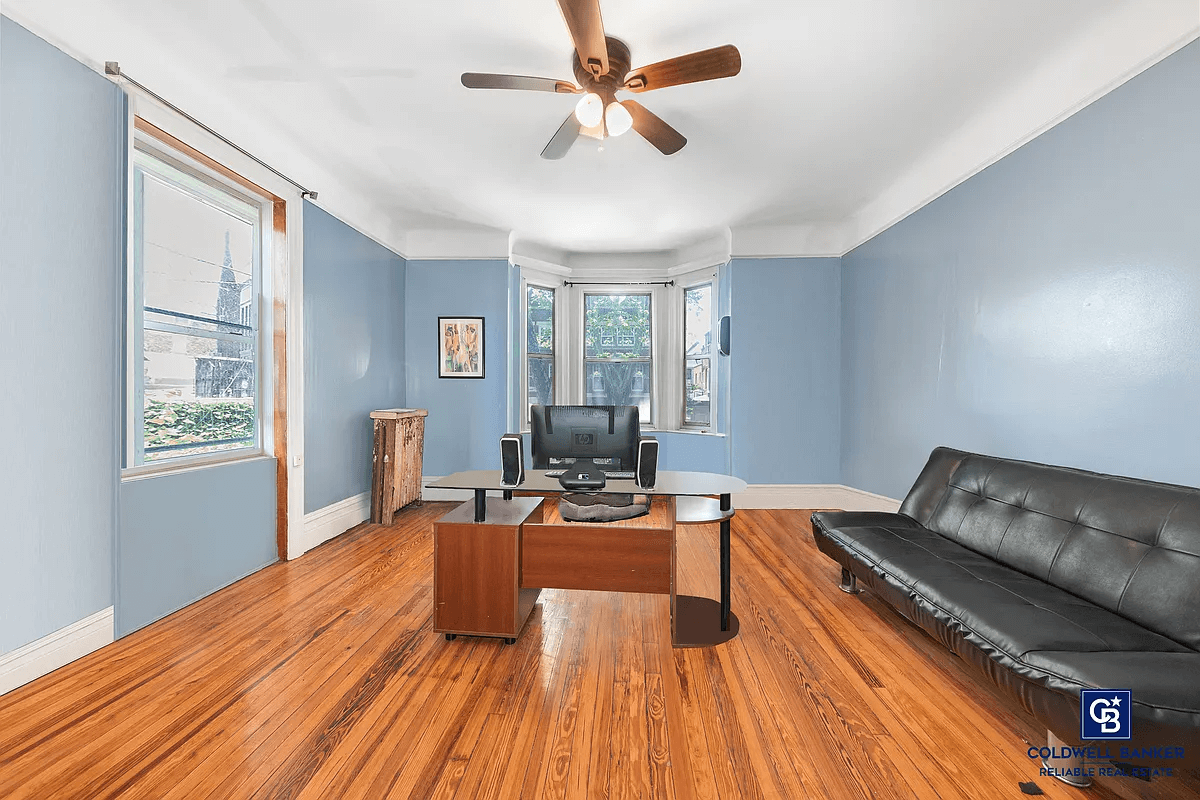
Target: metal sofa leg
[
  {"x": 1068, "y": 769},
  {"x": 849, "y": 583}
]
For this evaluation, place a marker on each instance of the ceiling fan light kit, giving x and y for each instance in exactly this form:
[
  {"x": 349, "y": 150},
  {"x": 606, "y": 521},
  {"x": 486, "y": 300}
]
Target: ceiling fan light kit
[
  {"x": 617, "y": 119},
  {"x": 590, "y": 110},
  {"x": 601, "y": 66}
]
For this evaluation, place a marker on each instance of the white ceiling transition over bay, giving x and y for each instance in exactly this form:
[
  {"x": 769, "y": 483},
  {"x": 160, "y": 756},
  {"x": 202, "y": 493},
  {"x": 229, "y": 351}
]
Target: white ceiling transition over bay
[{"x": 847, "y": 115}]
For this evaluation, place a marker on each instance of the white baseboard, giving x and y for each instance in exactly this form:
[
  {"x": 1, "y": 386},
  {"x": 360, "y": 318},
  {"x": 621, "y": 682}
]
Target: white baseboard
[
  {"x": 54, "y": 650},
  {"x": 813, "y": 495},
  {"x": 762, "y": 495},
  {"x": 333, "y": 520}
]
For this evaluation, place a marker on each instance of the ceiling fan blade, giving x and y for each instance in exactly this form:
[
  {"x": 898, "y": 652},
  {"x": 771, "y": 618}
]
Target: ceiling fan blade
[
  {"x": 486, "y": 80},
  {"x": 563, "y": 138},
  {"x": 587, "y": 32},
  {"x": 704, "y": 65},
  {"x": 653, "y": 129}
]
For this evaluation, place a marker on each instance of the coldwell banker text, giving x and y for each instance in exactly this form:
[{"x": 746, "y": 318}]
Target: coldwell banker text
[{"x": 1100, "y": 761}]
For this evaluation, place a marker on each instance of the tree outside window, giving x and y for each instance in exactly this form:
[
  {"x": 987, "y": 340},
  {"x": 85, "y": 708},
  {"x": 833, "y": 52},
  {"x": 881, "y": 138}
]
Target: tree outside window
[
  {"x": 617, "y": 350},
  {"x": 539, "y": 346}
]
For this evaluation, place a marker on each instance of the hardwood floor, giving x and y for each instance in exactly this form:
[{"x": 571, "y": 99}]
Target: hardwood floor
[{"x": 322, "y": 678}]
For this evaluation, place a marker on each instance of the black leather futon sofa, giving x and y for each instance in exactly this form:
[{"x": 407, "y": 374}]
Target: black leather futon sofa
[{"x": 1049, "y": 580}]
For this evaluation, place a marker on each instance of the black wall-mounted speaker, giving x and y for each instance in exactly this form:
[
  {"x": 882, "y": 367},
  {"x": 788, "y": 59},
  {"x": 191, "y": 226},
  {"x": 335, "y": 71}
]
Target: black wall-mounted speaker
[
  {"x": 647, "y": 462},
  {"x": 512, "y": 459},
  {"x": 723, "y": 336}
]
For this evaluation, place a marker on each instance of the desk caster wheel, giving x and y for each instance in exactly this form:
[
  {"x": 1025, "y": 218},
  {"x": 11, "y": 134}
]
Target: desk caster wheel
[
  {"x": 450, "y": 637},
  {"x": 510, "y": 641}
]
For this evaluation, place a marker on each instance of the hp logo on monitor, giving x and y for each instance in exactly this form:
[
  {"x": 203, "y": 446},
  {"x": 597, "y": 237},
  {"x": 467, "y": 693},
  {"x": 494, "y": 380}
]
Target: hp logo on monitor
[{"x": 1106, "y": 714}]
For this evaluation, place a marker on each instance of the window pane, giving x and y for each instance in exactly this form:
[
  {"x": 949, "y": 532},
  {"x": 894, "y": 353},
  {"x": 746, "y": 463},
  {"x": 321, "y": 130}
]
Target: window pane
[
  {"x": 697, "y": 349},
  {"x": 616, "y": 326},
  {"x": 697, "y": 321},
  {"x": 696, "y": 399},
  {"x": 195, "y": 270},
  {"x": 541, "y": 381},
  {"x": 197, "y": 260},
  {"x": 619, "y": 383},
  {"x": 539, "y": 315},
  {"x": 195, "y": 399}
]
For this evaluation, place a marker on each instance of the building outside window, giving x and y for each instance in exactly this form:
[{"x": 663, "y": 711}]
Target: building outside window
[{"x": 195, "y": 289}]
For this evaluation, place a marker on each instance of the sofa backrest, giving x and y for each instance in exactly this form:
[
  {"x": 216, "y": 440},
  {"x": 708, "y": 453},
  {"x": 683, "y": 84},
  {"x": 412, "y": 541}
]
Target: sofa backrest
[{"x": 1127, "y": 545}]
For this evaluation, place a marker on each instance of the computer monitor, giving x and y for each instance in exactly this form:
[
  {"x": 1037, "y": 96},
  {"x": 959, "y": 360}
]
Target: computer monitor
[{"x": 604, "y": 435}]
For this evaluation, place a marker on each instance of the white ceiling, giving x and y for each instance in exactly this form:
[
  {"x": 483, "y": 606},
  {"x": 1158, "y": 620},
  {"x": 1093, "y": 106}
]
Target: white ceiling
[{"x": 848, "y": 114}]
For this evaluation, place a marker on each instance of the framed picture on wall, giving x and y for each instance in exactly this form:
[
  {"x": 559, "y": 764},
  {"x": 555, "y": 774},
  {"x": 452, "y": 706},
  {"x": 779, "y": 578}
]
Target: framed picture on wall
[{"x": 460, "y": 347}]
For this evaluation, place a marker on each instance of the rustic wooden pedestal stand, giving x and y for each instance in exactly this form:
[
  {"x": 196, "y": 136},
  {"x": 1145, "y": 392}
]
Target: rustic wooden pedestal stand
[{"x": 396, "y": 461}]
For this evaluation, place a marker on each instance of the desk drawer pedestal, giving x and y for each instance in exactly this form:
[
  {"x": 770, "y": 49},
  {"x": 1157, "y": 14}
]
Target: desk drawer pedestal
[{"x": 477, "y": 568}]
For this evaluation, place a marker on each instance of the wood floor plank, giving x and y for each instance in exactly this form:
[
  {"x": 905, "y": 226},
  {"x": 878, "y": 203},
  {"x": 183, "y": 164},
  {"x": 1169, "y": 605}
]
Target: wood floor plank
[{"x": 322, "y": 678}]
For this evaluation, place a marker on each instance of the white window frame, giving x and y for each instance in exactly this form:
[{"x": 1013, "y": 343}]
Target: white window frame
[
  {"x": 666, "y": 346},
  {"x": 218, "y": 190}
]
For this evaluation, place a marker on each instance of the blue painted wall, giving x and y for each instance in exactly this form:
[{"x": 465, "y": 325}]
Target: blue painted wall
[
  {"x": 467, "y": 417},
  {"x": 187, "y": 534},
  {"x": 1046, "y": 309},
  {"x": 785, "y": 364},
  {"x": 61, "y": 169},
  {"x": 692, "y": 452},
  {"x": 354, "y": 312}
]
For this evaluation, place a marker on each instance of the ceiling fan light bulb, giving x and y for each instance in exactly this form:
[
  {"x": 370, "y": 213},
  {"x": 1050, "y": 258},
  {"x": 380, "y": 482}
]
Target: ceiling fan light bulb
[
  {"x": 590, "y": 110},
  {"x": 617, "y": 118}
]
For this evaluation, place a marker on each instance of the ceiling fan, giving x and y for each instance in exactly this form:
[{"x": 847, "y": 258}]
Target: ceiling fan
[{"x": 601, "y": 67}]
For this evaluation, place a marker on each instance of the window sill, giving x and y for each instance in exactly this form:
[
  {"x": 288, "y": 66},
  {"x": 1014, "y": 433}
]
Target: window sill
[
  {"x": 687, "y": 431},
  {"x": 158, "y": 470}
]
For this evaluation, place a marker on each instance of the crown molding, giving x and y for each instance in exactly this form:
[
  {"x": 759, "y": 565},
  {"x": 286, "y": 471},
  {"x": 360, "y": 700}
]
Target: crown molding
[
  {"x": 450, "y": 244},
  {"x": 1133, "y": 38},
  {"x": 788, "y": 241},
  {"x": 707, "y": 252},
  {"x": 78, "y": 36}
]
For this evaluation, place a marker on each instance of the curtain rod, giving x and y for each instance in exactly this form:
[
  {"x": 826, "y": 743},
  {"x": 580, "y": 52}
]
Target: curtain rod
[
  {"x": 618, "y": 283},
  {"x": 114, "y": 69}
]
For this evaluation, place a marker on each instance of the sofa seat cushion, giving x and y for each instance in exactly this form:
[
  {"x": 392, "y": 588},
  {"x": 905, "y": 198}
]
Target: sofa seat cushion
[
  {"x": 1167, "y": 681},
  {"x": 1007, "y": 614}
]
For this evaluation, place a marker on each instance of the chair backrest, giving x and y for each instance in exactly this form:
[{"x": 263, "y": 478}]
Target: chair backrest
[{"x": 1128, "y": 545}]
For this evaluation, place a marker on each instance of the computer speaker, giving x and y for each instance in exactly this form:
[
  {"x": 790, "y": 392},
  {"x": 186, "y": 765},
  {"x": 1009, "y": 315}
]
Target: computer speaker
[
  {"x": 512, "y": 459},
  {"x": 723, "y": 336},
  {"x": 647, "y": 462}
]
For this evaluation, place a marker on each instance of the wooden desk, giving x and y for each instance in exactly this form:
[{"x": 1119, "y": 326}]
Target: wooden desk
[{"x": 493, "y": 556}]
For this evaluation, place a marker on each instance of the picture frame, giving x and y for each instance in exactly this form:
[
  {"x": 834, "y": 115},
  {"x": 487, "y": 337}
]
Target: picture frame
[{"x": 460, "y": 347}]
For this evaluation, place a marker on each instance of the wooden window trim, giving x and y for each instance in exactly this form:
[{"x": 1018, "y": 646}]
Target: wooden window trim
[{"x": 279, "y": 274}]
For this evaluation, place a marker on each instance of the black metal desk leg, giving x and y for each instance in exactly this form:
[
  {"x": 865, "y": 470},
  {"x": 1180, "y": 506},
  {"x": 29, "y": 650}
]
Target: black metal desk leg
[
  {"x": 726, "y": 504},
  {"x": 480, "y": 505}
]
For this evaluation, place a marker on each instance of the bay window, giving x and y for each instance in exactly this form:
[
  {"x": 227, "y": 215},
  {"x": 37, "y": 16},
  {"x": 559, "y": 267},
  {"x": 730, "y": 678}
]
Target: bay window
[{"x": 647, "y": 344}]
